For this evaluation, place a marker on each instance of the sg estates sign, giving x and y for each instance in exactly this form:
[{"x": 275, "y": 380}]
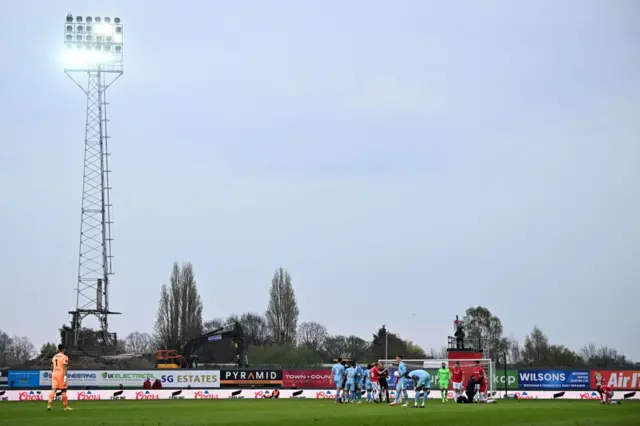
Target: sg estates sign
[{"x": 196, "y": 379}]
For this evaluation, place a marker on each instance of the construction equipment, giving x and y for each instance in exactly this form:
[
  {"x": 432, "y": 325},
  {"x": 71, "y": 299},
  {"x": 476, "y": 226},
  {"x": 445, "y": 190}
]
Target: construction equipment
[{"x": 216, "y": 346}]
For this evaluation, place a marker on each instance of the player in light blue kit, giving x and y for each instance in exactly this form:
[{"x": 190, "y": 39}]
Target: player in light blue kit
[
  {"x": 350, "y": 386},
  {"x": 359, "y": 381},
  {"x": 367, "y": 383},
  {"x": 338, "y": 375},
  {"x": 421, "y": 383},
  {"x": 401, "y": 383}
]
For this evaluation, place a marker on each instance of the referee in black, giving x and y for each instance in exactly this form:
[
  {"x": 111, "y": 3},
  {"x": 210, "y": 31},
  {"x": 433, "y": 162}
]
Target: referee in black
[{"x": 382, "y": 380}]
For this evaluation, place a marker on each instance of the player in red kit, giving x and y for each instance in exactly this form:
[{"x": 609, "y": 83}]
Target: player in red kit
[
  {"x": 606, "y": 395},
  {"x": 482, "y": 396},
  {"x": 374, "y": 375},
  {"x": 479, "y": 376},
  {"x": 457, "y": 377}
]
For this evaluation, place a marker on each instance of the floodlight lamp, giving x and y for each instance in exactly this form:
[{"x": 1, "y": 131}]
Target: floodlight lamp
[
  {"x": 92, "y": 43},
  {"x": 104, "y": 29},
  {"x": 116, "y": 20},
  {"x": 86, "y": 57}
]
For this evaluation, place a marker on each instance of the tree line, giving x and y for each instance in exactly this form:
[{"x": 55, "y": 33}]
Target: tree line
[{"x": 276, "y": 338}]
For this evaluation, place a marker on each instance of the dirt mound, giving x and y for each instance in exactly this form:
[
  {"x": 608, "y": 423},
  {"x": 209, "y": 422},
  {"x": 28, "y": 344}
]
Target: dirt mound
[{"x": 105, "y": 362}]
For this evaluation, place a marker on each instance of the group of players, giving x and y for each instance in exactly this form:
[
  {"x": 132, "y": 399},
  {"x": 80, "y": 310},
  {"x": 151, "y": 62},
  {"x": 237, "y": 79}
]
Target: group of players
[{"x": 352, "y": 381}]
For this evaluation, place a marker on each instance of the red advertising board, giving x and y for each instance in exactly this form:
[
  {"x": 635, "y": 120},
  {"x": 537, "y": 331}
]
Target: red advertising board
[
  {"x": 617, "y": 379},
  {"x": 307, "y": 379}
]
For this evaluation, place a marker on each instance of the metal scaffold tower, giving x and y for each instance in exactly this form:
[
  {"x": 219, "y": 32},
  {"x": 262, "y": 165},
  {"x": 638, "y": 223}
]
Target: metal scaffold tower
[{"x": 94, "y": 62}]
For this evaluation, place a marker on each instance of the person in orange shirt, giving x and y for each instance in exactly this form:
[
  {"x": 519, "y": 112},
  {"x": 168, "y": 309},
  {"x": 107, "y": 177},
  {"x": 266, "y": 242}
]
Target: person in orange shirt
[{"x": 59, "y": 365}]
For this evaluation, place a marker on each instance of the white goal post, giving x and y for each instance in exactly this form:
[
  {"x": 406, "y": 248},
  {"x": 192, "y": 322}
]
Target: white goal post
[{"x": 432, "y": 366}]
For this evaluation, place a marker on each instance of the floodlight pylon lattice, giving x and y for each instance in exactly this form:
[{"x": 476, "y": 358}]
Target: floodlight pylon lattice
[{"x": 94, "y": 61}]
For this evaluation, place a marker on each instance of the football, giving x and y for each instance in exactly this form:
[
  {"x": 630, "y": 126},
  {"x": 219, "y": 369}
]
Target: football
[{"x": 396, "y": 374}]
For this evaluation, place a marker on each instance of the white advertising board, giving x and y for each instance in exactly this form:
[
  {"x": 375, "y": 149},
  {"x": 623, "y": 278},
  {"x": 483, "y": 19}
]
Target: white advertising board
[
  {"x": 135, "y": 378},
  {"x": 216, "y": 393}
]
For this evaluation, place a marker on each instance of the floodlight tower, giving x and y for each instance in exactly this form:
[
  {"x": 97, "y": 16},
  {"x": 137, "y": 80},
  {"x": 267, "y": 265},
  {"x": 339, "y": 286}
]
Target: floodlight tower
[{"x": 94, "y": 61}]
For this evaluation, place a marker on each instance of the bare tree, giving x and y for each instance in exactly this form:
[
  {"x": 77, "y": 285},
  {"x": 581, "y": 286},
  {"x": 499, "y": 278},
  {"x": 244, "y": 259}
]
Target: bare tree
[
  {"x": 21, "y": 350},
  {"x": 179, "y": 317},
  {"x": 514, "y": 352},
  {"x": 337, "y": 346},
  {"x": 437, "y": 353},
  {"x": 166, "y": 327},
  {"x": 603, "y": 357},
  {"x": 480, "y": 323},
  {"x": 211, "y": 325},
  {"x": 256, "y": 332},
  {"x": 282, "y": 313},
  {"x": 357, "y": 348},
  {"x": 589, "y": 352},
  {"x": 313, "y": 335},
  {"x": 138, "y": 342},
  {"x": 190, "y": 305},
  {"x": 536, "y": 348},
  {"x": 5, "y": 349}
]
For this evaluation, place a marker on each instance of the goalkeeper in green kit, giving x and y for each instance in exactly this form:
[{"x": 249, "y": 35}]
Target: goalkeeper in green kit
[{"x": 444, "y": 377}]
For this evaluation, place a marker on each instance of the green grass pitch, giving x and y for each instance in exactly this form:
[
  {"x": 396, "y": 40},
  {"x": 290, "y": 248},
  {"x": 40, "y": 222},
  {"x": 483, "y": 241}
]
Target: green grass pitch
[{"x": 312, "y": 412}]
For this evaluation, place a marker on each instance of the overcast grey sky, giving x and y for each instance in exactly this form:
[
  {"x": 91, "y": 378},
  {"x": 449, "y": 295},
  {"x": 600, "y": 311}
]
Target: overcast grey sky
[{"x": 443, "y": 154}]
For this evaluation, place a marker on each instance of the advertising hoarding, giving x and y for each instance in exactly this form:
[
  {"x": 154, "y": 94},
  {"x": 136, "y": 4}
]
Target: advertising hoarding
[
  {"x": 510, "y": 379},
  {"x": 554, "y": 379},
  {"x": 11, "y": 396},
  {"x": 251, "y": 377},
  {"x": 179, "y": 378},
  {"x": 618, "y": 379},
  {"x": 308, "y": 379},
  {"x": 23, "y": 379}
]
